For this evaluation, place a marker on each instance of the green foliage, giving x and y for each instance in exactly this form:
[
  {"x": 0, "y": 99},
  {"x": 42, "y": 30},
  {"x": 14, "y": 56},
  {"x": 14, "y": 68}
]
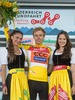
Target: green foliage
[{"x": 8, "y": 11}]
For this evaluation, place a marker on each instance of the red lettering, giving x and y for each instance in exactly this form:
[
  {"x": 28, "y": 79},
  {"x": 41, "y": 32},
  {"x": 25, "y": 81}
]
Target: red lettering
[{"x": 40, "y": 54}]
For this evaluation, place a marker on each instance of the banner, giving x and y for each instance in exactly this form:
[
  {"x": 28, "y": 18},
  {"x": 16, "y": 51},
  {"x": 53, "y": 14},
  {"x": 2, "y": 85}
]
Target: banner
[{"x": 52, "y": 20}]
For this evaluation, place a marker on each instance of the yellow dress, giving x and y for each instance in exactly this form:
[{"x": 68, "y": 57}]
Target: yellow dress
[
  {"x": 19, "y": 87},
  {"x": 60, "y": 79}
]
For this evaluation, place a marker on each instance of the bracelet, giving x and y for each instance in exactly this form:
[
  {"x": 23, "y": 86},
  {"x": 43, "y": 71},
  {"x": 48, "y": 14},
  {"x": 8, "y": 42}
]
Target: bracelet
[{"x": 3, "y": 85}]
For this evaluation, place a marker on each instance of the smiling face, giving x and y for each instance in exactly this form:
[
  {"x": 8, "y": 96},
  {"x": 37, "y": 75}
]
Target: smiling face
[
  {"x": 38, "y": 37},
  {"x": 16, "y": 39},
  {"x": 62, "y": 40}
]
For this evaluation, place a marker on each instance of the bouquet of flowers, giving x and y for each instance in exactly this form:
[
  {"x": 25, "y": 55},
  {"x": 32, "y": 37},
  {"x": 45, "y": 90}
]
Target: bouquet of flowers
[{"x": 8, "y": 11}]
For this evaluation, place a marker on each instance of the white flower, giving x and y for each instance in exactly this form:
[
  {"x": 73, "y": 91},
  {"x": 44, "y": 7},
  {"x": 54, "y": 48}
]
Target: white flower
[{"x": 15, "y": 9}]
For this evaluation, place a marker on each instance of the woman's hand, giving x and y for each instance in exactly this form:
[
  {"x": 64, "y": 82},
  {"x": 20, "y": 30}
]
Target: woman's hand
[
  {"x": 5, "y": 90},
  {"x": 73, "y": 78},
  {"x": 73, "y": 89}
]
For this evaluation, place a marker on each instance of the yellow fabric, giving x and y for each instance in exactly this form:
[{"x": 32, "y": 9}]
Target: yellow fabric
[
  {"x": 6, "y": 30},
  {"x": 38, "y": 73},
  {"x": 39, "y": 45},
  {"x": 26, "y": 46},
  {"x": 60, "y": 77},
  {"x": 19, "y": 86},
  {"x": 68, "y": 67}
]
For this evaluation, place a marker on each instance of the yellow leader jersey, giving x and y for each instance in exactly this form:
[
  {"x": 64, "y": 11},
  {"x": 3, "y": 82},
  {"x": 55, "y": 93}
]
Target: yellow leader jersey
[{"x": 38, "y": 57}]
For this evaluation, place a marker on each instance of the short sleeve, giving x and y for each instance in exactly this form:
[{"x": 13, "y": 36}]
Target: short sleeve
[
  {"x": 25, "y": 53},
  {"x": 73, "y": 56},
  {"x": 3, "y": 54},
  {"x": 50, "y": 60}
]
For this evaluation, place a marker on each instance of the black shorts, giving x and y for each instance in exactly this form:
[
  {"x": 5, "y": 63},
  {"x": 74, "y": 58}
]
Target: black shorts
[{"x": 38, "y": 87}]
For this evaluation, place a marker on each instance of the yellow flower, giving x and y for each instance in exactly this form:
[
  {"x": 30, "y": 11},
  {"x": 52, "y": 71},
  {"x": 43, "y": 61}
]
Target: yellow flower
[
  {"x": 8, "y": 4},
  {"x": 0, "y": 3}
]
